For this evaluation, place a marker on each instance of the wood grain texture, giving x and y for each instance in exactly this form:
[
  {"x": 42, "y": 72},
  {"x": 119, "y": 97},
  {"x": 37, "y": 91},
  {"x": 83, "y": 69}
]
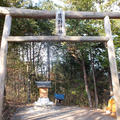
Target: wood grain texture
[
  {"x": 113, "y": 66},
  {"x": 38, "y": 14},
  {"x": 3, "y": 58},
  {"x": 43, "y": 92},
  {"x": 57, "y": 39}
]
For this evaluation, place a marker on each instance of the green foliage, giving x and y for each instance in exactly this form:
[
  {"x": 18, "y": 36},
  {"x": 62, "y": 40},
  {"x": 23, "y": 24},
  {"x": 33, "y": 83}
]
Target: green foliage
[
  {"x": 66, "y": 57},
  {"x": 73, "y": 92},
  {"x": 79, "y": 5},
  {"x": 4, "y": 4},
  {"x": 19, "y": 53}
]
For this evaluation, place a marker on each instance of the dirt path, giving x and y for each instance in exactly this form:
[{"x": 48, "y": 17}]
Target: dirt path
[{"x": 59, "y": 113}]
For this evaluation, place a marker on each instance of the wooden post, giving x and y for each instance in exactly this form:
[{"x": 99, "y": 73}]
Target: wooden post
[
  {"x": 38, "y": 14},
  {"x": 3, "y": 58},
  {"x": 57, "y": 39},
  {"x": 113, "y": 66},
  {"x": 43, "y": 92}
]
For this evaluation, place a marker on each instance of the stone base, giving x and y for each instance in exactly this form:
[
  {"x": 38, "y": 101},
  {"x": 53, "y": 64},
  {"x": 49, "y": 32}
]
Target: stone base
[{"x": 43, "y": 102}]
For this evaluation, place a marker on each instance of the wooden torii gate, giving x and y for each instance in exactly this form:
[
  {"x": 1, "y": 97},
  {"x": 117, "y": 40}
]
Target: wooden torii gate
[{"x": 10, "y": 13}]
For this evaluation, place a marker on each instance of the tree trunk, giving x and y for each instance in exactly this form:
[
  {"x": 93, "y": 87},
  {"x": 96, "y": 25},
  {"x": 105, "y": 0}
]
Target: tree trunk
[
  {"x": 30, "y": 52},
  {"x": 4, "y": 95},
  {"x": 48, "y": 61},
  {"x": 28, "y": 84},
  {"x": 24, "y": 84},
  {"x": 27, "y": 54},
  {"x": 93, "y": 71},
  {"x": 28, "y": 77},
  {"x": 84, "y": 72},
  {"x": 18, "y": 90},
  {"x": 14, "y": 78},
  {"x": 85, "y": 80},
  {"x": 110, "y": 81},
  {"x": 23, "y": 54},
  {"x": 33, "y": 59},
  {"x": 52, "y": 65},
  {"x": 71, "y": 72}
]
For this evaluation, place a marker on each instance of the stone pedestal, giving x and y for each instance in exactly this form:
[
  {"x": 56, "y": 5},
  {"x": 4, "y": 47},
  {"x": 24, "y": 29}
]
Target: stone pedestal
[{"x": 43, "y": 102}]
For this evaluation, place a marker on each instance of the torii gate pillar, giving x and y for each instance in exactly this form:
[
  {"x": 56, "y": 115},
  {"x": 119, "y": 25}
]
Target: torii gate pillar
[
  {"x": 3, "y": 58},
  {"x": 113, "y": 66}
]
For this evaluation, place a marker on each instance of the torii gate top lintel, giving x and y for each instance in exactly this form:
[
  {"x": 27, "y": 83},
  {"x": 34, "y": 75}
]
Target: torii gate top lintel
[{"x": 38, "y": 14}]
